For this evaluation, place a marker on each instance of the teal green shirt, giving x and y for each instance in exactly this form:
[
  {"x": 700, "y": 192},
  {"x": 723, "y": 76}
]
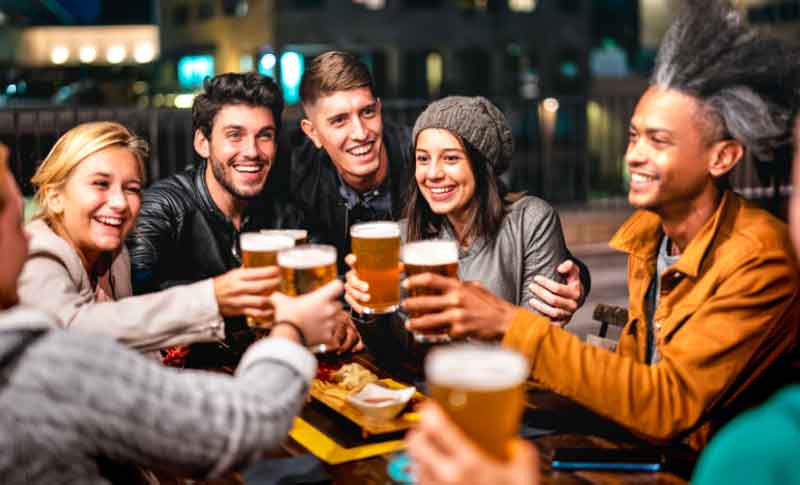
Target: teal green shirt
[{"x": 761, "y": 446}]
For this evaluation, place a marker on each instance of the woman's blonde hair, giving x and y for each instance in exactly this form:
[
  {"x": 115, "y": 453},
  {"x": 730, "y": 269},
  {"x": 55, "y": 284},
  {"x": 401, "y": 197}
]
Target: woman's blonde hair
[{"x": 74, "y": 147}]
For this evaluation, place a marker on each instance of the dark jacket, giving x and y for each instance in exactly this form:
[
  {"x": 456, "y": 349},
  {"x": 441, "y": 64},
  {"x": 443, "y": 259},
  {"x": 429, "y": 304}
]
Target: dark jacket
[
  {"x": 314, "y": 189},
  {"x": 182, "y": 237}
]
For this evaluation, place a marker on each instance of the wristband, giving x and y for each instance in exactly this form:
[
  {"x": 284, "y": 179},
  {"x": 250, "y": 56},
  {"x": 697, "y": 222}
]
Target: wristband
[{"x": 296, "y": 329}]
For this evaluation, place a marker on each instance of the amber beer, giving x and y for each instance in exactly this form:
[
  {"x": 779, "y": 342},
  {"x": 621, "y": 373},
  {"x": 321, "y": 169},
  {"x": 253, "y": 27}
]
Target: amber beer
[
  {"x": 439, "y": 257},
  {"x": 306, "y": 268},
  {"x": 481, "y": 388},
  {"x": 376, "y": 246},
  {"x": 300, "y": 236},
  {"x": 261, "y": 250}
]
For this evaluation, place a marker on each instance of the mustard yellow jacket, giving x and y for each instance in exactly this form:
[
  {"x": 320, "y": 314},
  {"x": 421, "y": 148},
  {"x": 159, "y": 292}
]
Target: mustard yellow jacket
[{"x": 728, "y": 311}]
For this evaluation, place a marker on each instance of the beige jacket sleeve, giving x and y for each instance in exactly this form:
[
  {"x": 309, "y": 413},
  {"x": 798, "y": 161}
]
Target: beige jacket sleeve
[{"x": 54, "y": 280}]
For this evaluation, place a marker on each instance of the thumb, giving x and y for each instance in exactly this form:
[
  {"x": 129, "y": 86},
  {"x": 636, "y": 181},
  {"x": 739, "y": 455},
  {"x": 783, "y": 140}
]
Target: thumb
[{"x": 330, "y": 291}]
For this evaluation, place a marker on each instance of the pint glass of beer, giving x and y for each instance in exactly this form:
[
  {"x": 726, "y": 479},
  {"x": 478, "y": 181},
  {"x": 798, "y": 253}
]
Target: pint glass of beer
[
  {"x": 481, "y": 388},
  {"x": 261, "y": 250},
  {"x": 433, "y": 256},
  {"x": 300, "y": 236},
  {"x": 304, "y": 269},
  {"x": 377, "y": 249}
]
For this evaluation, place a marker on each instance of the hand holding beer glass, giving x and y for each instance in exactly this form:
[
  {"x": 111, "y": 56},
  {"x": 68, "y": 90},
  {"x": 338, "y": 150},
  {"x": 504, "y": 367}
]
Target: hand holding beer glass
[
  {"x": 260, "y": 250},
  {"x": 306, "y": 268},
  {"x": 437, "y": 257},
  {"x": 376, "y": 246},
  {"x": 481, "y": 388}
]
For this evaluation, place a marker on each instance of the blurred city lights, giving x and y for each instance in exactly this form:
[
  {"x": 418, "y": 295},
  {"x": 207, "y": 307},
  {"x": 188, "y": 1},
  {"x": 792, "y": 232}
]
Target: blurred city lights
[
  {"x": 550, "y": 104},
  {"x": 144, "y": 53},
  {"x": 292, "y": 67},
  {"x": 115, "y": 54},
  {"x": 59, "y": 54},
  {"x": 193, "y": 69},
  {"x": 266, "y": 65},
  {"x": 184, "y": 100},
  {"x": 87, "y": 54}
]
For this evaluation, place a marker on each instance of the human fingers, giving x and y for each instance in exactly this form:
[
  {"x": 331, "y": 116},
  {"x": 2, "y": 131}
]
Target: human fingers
[
  {"x": 350, "y": 260},
  {"x": 553, "y": 313},
  {"x": 256, "y": 273},
  {"x": 431, "y": 281}
]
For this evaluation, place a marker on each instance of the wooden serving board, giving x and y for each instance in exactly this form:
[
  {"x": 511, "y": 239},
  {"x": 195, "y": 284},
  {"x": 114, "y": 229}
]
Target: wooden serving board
[{"x": 368, "y": 425}]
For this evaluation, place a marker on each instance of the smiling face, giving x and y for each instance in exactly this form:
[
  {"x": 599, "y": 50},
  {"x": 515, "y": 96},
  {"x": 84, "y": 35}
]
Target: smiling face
[
  {"x": 347, "y": 125},
  {"x": 671, "y": 162},
  {"x": 443, "y": 173},
  {"x": 240, "y": 151},
  {"x": 99, "y": 202}
]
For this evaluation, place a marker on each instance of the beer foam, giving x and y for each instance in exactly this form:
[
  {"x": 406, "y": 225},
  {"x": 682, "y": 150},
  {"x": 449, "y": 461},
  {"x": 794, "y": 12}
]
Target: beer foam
[
  {"x": 293, "y": 233},
  {"x": 430, "y": 253},
  {"x": 375, "y": 230},
  {"x": 307, "y": 256},
  {"x": 254, "y": 241},
  {"x": 476, "y": 367}
]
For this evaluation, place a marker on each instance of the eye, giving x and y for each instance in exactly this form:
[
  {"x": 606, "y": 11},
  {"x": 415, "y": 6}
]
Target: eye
[
  {"x": 631, "y": 136},
  {"x": 369, "y": 112},
  {"x": 659, "y": 140},
  {"x": 452, "y": 159},
  {"x": 422, "y": 158},
  {"x": 134, "y": 189},
  {"x": 268, "y": 136},
  {"x": 233, "y": 135},
  {"x": 103, "y": 184},
  {"x": 338, "y": 120}
]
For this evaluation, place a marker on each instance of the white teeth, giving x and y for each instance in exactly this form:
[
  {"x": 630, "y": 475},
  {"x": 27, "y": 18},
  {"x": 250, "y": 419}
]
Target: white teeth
[
  {"x": 111, "y": 221},
  {"x": 441, "y": 190},
  {"x": 362, "y": 150},
  {"x": 247, "y": 168},
  {"x": 641, "y": 178}
]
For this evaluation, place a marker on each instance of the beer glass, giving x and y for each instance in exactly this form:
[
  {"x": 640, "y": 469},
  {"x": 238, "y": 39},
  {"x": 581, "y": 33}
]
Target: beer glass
[
  {"x": 306, "y": 268},
  {"x": 261, "y": 250},
  {"x": 482, "y": 389},
  {"x": 300, "y": 236},
  {"x": 376, "y": 246},
  {"x": 433, "y": 256}
]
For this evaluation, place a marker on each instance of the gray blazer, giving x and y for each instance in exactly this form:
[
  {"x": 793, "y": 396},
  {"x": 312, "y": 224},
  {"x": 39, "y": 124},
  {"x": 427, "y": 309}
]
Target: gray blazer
[{"x": 55, "y": 281}]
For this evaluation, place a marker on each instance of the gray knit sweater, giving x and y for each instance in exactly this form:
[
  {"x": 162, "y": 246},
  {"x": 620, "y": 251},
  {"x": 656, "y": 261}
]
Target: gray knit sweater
[{"x": 71, "y": 399}]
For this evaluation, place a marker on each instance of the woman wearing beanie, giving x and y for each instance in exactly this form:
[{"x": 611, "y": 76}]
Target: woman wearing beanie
[{"x": 461, "y": 146}]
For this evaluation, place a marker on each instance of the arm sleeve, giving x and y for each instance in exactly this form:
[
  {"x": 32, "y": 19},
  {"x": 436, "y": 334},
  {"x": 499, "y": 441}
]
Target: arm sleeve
[
  {"x": 734, "y": 335},
  {"x": 90, "y": 397},
  {"x": 544, "y": 249},
  {"x": 152, "y": 239},
  {"x": 180, "y": 315}
]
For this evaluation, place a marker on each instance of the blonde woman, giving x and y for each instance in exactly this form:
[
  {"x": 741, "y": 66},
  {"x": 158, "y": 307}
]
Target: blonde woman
[{"x": 78, "y": 269}]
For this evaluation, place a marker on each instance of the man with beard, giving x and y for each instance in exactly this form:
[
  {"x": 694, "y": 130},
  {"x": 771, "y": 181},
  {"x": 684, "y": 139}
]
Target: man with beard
[{"x": 189, "y": 225}]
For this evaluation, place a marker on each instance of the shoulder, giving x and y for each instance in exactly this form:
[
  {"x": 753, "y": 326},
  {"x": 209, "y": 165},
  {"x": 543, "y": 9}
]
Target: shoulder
[
  {"x": 757, "y": 229},
  {"x": 178, "y": 187},
  {"x": 530, "y": 209},
  {"x": 44, "y": 241},
  {"x": 50, "y": 257}
]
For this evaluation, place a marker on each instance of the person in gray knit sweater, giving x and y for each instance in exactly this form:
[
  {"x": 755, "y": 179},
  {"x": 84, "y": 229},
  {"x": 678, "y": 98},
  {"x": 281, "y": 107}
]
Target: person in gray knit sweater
[{"x": 76, "y": 407}]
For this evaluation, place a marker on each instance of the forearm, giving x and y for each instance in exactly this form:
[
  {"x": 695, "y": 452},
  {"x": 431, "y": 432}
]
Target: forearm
[{"x": 114, "y": 403}]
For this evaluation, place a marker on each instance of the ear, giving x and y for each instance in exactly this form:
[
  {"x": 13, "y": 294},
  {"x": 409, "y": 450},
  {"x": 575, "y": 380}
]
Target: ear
[
  {"x": 201, "y": 144},
  {"x": 311, "y": 132},
  {"x": 54, "y": 200},
  {"x": 726, "y": 154}
]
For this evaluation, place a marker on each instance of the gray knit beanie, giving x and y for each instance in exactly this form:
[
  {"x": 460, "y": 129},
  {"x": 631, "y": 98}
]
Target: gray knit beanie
[{"x": 477, "y": 121}]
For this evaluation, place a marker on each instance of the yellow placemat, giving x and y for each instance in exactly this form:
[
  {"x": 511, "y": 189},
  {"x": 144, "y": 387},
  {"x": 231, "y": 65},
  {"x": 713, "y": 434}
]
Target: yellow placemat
[{"x": 329, "y": 451}]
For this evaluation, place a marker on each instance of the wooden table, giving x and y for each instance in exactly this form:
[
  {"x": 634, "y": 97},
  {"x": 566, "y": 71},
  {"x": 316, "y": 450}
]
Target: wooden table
[{"x": 575, "y": 427}]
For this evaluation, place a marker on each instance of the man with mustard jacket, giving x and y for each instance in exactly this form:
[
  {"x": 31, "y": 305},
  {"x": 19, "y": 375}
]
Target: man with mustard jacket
[{"x": 713, "y": 281}]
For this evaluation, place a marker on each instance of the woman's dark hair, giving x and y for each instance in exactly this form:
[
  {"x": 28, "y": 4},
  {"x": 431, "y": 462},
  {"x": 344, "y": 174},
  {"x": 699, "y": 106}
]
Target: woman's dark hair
[
  {"x": 488, "y": 204},
  {"x": 250, "y": 89}
]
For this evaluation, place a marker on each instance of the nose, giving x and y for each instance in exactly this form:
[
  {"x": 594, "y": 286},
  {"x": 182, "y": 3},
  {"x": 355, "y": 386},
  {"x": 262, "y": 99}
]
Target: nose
[
  {"x": 634, "y": 155},
  {"x": 359, "y": 131},
  {"x": 434, "y": 170},
  {"x": 117, "y": 199},
  {"x": 250, "y": 148}
]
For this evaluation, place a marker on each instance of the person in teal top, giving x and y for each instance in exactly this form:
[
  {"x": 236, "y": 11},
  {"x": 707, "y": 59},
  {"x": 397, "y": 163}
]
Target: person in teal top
[{"x": 760, "y": 446}]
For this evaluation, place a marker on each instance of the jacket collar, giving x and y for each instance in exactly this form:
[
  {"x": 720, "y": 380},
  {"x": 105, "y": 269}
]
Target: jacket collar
[{"x": 640, "y": 235}]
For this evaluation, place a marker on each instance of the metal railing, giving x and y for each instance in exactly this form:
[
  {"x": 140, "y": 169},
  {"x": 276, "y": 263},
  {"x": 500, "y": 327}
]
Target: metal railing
[{"x": 565, "y": 153}]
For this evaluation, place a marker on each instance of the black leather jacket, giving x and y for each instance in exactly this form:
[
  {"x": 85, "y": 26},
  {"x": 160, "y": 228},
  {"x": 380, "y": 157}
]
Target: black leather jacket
[
  {"x": 314, "y": 189},
  {"x": 182, "y": 237}
]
